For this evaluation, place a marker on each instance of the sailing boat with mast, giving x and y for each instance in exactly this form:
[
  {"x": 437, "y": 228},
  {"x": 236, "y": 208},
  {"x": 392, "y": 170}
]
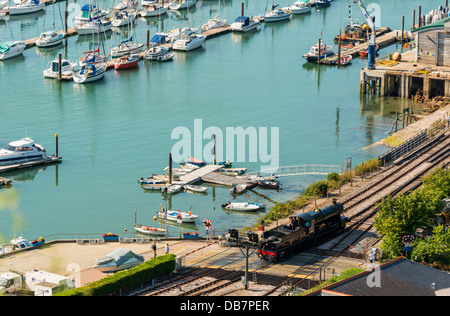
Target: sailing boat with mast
[
  {"x": 94, "y": 69},
  {"x": 148, "y": 230},
  {"x": 50, "y": 38},
  {"x": 188, "y": 39},
  {"x": 215, "y": 22},
  {"x": 275, "y": 15},
  {"x": 127, "y": 47}
]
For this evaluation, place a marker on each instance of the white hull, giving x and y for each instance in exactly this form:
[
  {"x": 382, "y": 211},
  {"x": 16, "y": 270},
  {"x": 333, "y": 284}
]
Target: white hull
[
  {"x": 149, "y": 13},
  {"x": 66, "y": 70},
  {"x": 300, "y": 10},
  {"x": 89, "y": 28},
  {"x": 150, "y": 230},
  {"x": 86, "y": 79},
  {"x": 22, "y": 151},
  {"x": 132, "y": 49},
  {"x": 214, "y": 24},
  {"x": 14, "y": 51},
  {"x": 248, "y": 207},
  {"x": 25, "y": 9},
  {"x": 182, "y": 6},
  {"x": 185, "y": 217},
  {"x": 56, "y": 40},
  {"x": 276, "y": 18},
  {"x": 188, "y": 45},
  {"x": 238, "y": 27}
]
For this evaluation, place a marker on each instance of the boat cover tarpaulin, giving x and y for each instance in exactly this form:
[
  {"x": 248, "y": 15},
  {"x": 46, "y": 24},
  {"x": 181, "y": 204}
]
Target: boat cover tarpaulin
[
  {"x": 158, "y": 39},
  {"x": 196, "y": 161},
  {"x": 244, "y": 19},
  {"x": 122, "y": 255},
  {"x": 4, "y": 47}
]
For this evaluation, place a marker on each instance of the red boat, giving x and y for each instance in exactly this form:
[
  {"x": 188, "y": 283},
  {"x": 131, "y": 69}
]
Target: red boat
[{"x": 126, "y": 62}]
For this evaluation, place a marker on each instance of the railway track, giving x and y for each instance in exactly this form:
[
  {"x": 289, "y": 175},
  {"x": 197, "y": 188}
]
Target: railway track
[{"x": 360, "y": 207}]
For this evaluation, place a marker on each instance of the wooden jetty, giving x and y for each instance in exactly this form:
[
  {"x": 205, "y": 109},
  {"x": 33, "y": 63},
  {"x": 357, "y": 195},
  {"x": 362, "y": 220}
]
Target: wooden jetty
[
  {"x": 382, "y": 41},
  {"x": 222, "y": 179},
  {"x": 196, "y": 175},
  {"x": 50, "y": 160}
]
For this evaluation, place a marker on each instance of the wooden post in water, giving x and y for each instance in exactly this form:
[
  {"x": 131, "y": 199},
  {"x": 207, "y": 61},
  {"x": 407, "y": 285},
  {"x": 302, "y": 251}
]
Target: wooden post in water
[
  {"x": 66, "y": 14},
  {"x": 339, "y": 50},
  {"x": 59, "y": 67},
  {"x": 403, "y": 28},
  {"x": 414, "y": 20},
  {"x": 56, "y": 145},
  {"x": 214, "y": 149},
  {"x": 148, "y": 39},
  {"x": 320, "y": 46},
  {"x": 242, "y": 8},
  {"x": 170, "y": 168}
]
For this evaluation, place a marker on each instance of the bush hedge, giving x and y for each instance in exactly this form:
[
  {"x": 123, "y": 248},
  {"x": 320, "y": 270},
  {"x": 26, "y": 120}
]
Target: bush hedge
[{"x": 142, "y": 273}]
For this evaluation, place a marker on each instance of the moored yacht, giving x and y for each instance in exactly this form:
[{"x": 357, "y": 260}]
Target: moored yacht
[
  {"x": 94, "y": 27},
  {"x": 276, "y": 15},
  {"x": 324, "y": 52},
  {"x": 11, "y": 49},
  {"x": 22, "y": 151},
  {"x": 26, "y": 7},
  {"x": 181, "y": 4},
  {"x": 49, "y": 39},
  {"x": 244, "y": 24},
  {"x": 52, "y": 70},
  {"x": 189, "y": 41}
]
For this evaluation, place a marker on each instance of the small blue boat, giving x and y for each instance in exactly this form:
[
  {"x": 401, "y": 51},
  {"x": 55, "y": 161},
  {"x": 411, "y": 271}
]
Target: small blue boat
[{"x": 323, "y": 3}]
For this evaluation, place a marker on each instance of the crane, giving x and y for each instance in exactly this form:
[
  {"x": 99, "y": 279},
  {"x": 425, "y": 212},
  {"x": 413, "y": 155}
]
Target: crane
[{"x": 372, "y": 40}]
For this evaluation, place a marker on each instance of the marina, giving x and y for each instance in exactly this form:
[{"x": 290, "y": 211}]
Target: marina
[{"x": 118, "y": 127}]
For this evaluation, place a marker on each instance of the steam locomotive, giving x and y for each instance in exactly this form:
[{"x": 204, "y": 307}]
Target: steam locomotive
[{"x": 304, "y": 230}]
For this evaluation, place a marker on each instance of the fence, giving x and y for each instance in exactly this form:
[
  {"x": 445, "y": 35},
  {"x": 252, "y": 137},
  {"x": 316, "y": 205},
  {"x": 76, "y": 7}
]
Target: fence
[{"x": 413, "y": 142}]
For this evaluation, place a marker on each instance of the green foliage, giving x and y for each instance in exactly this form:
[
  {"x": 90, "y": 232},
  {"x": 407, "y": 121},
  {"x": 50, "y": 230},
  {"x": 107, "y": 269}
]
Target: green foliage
[
  {"x": 434, "y": 249},
  {"x": 405, "y": 214},
  {"x": 317, "y": 189},
  {"x": 367, "y": 166},
  {"x": 144, "y": 272},
  {"x": 333, "y": 176}
]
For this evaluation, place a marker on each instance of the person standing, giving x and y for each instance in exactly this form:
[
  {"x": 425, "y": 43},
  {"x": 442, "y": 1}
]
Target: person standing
[
  {"x": 167, "y": 249},
  {"x": 154, "y": 250}
]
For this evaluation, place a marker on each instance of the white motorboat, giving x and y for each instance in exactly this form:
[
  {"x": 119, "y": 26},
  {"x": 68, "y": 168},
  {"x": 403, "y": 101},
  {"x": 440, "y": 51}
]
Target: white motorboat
[
  {"x": 50, "y": 39},
  {"x": 174, "y": 216},
  {"x": 89, "y": 73},
  {"x": 233, "y": 171},
  {"x": 119, "y": 259},
  {"x": 94, "y": 27},
  {"x": 3, "y": 4},
  {"x": 214, "y": 23},
  {"x": 181, "y": 4},
  {"x": 243, "y": 206},
  {"x": 22, "y": 151},
  {"x": 148, "y": 230},
  {"x": 52, "y": 70},
  {"x": 11, "y": 49},
  {"x": 314, "y": 53},
  {"x": 26, "y": 7},
  {"x": 125, "y": 48},
  {"x": 189, "y": 41},
  {"x": 277, "y": 15},
  {"x": 123, "y": 18},
  {"x": 158, "y": 53},
  {"x": 89, "y": 13},
  {"x": 150, "y": 180},
  {"x": 126, "y": 5},
  {"x": 244, "y": 24},
  {"x": 300, "y": 7},
  {"x": 196, "y": 188},
  {"x": 172, "y": 189},
  {"x": 153, "y": 10}
]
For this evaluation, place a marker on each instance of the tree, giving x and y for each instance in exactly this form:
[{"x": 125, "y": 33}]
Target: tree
[{"x": 435, "y": 248}]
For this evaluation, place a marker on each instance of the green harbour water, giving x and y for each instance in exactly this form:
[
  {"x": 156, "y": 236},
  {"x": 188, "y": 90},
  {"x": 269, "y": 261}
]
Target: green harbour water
[{"x": 114, "y": 131}]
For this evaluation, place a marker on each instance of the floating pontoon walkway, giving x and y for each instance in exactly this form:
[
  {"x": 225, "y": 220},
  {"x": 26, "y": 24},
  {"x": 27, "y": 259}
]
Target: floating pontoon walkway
[{"x": 50, "y": 160}]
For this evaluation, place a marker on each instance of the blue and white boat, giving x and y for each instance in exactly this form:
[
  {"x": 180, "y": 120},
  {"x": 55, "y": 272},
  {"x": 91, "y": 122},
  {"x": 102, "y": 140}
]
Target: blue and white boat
[
  {"x": 324, "y": 52},
  {"x": 22, "y": 151},
  {"x": 177, "y": 215},
  {"x": 244, "y": 24},
  {"x": 50, "y": 39},
  {"x": 89, "y": 13},
  {"x": 89, "y": 73},
  {"x": 323, "y": 3},
  {"x": 26, "y": 7},
  {"x": 243, "y": 206}
]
